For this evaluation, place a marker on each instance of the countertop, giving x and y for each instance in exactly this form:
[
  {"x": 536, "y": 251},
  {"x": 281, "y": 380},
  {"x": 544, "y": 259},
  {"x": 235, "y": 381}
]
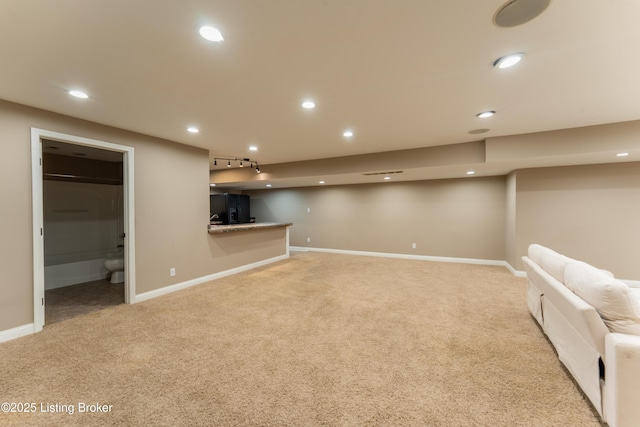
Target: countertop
[{"x": 245, "y": 227}]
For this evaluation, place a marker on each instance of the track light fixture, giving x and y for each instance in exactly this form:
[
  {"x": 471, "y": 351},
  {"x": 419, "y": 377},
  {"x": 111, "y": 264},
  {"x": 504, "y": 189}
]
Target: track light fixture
[{"x": 241, "y": 162}]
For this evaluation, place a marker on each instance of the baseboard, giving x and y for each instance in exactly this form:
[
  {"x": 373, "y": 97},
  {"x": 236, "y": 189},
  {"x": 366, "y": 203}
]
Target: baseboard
[
  {"x": 183, "y": 285},
  {"x": 517, "y": 273},
  {"x": 20, "y": 331},
  {"x": 415, "y": 257}
]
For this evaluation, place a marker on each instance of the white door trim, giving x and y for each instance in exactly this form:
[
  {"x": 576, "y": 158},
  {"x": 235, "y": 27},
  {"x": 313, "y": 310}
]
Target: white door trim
[{"x": 38, "y": 222}]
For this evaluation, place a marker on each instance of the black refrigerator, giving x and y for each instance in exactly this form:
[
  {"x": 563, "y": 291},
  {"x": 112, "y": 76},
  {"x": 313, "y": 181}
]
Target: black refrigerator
[{"x": 229, "y": 208}]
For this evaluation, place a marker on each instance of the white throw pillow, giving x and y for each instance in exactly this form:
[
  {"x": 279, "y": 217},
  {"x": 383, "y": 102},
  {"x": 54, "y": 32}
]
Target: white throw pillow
[
  {"x": 554, "y": 264},
  {"x": 536, "y": 251},
  {"x": 618, "y": 306}
]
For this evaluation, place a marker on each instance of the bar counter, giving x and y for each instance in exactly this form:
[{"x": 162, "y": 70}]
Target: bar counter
[{"x": 218, "y": 229}]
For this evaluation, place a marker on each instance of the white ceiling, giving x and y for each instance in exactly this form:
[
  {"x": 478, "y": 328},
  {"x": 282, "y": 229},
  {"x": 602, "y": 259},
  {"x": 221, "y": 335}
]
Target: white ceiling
[{"x": 402, "y": 74}]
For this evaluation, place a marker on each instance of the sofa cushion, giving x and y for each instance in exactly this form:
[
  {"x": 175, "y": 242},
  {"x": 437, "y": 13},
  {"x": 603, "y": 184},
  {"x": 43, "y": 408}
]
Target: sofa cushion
[
  {"x": 551, "y": 261},
  {"x": 616, "y": 303},
  {"x": 536, "y": 251},
  {"x": 554, "y": 264}
]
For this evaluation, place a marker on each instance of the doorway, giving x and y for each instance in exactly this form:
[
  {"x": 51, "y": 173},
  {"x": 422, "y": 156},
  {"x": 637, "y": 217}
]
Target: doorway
[{"x": 70, "y": 268}]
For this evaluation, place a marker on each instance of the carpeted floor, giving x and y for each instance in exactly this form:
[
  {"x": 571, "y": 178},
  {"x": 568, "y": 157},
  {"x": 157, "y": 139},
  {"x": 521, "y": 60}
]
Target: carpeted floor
[{"x": 315, "y": 340}]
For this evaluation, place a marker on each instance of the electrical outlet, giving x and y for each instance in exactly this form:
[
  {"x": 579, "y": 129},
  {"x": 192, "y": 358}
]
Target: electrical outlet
[
  {"x": 308, "y": 239},
  {"x": 172, "y": 272},
  {"x": 413, "y": 245}
]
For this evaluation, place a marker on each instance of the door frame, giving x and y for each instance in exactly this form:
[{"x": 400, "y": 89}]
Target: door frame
[{"x": 38, "y": 222}]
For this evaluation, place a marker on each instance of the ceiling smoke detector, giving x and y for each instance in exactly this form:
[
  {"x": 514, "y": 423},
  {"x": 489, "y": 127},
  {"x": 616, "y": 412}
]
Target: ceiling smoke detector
[{"x": 517, "y": 12}]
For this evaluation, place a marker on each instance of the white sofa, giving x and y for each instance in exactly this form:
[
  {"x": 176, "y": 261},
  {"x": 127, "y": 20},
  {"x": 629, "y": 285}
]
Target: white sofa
[{"x": 593, "y": 321}]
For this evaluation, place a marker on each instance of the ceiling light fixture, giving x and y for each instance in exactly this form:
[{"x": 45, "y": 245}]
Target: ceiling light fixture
[
  {"x": 241, "y": 162},
  {"x": 193, "y": 129},
  {"x": 269, "y": 185},
  {"x": 78, "y": 94},
  {"x": 485, "y": 114},
  {"x": 387, "y": 178},
  {"x": 509, "y": 60},
  {"x": 211, "y": 34},
  {"x": 320, "y": 182},
  {"x": 347, "y": 133},
  {"x": 253, "y": 148},
  {"x": 308, "y": 105},
  {"x": 471, "y": 172},
  {"x": 625, "y": 154}
]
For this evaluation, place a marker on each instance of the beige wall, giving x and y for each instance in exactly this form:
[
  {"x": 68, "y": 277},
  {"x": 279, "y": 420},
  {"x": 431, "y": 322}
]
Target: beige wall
[
  {"x": 451, "y": 218},
  {"x": 591, "y": 213},
  {"x": 171, "y": 203},
  {"x": 510, "y": 249}
]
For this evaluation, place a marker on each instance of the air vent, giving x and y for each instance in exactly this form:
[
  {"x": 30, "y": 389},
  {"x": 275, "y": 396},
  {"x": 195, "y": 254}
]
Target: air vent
[{"x": 381, "y": 173}]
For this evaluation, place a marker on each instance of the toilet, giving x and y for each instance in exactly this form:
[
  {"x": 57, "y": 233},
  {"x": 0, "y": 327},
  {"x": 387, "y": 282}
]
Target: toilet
[{"x": 115, "y": 264}]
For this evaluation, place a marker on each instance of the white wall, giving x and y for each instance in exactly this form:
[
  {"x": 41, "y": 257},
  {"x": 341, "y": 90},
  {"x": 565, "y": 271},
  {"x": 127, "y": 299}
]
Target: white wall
[{"x": 82, "y": 223}]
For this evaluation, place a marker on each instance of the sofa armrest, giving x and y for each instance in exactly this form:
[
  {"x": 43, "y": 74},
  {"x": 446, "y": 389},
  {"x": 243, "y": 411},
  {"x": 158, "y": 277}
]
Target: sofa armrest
[{"x": 622, "y": 376}]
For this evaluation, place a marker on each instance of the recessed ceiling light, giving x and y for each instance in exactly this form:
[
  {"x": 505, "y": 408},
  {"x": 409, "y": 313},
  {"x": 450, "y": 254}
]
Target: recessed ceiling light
[
  {"x": 622, "y": 154},
  {"x": 485, "y": 114},
  {"x": 211, "y": 34},
  {"x": 253, "y": 148},
  {"x": 193, "y": 129},
  {"x": 347, "y": 133},
  {"x": 78, "y": 94},
  {"x": 387, "y": 178},
  {"x": 509, "y": 60},
  {"x": 268, "y": 185},
  {"x": 471, "y": 172},
  {"x": 308, "y": 105},
  {"x": 320, "y": 182},
  {"x": 212, "y": 185}
]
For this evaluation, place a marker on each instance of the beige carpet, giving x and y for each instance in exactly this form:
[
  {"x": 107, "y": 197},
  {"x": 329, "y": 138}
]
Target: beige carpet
[{"x": 316, "y": 340}]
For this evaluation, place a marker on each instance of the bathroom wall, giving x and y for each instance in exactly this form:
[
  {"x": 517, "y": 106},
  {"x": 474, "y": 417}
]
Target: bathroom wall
[{"x": 83, "y": 222}]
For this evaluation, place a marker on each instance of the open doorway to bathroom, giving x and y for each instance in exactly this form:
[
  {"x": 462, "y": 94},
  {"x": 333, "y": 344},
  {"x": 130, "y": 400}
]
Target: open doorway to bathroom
[
  {"x": 83, "y": 225},
  {"x": 83, "y": 214}
]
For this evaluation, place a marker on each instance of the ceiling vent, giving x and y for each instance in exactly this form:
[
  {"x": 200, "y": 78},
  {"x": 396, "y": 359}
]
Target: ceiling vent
[
  {"x": 517, "y": 12},
  {"x": 381, "y": 173}
]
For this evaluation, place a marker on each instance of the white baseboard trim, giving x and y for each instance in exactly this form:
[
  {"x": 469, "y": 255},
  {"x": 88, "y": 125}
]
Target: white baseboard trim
[
  {"x": 517, "y": 273},
  {"x": 415, "y": 257},
  {"x": 20, "y": 331},
  {"x": 183, "y": 285}
]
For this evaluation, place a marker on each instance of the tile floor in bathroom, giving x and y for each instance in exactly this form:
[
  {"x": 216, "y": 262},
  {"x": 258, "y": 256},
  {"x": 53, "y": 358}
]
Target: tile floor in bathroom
[{"x": 71, "y": 301}]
